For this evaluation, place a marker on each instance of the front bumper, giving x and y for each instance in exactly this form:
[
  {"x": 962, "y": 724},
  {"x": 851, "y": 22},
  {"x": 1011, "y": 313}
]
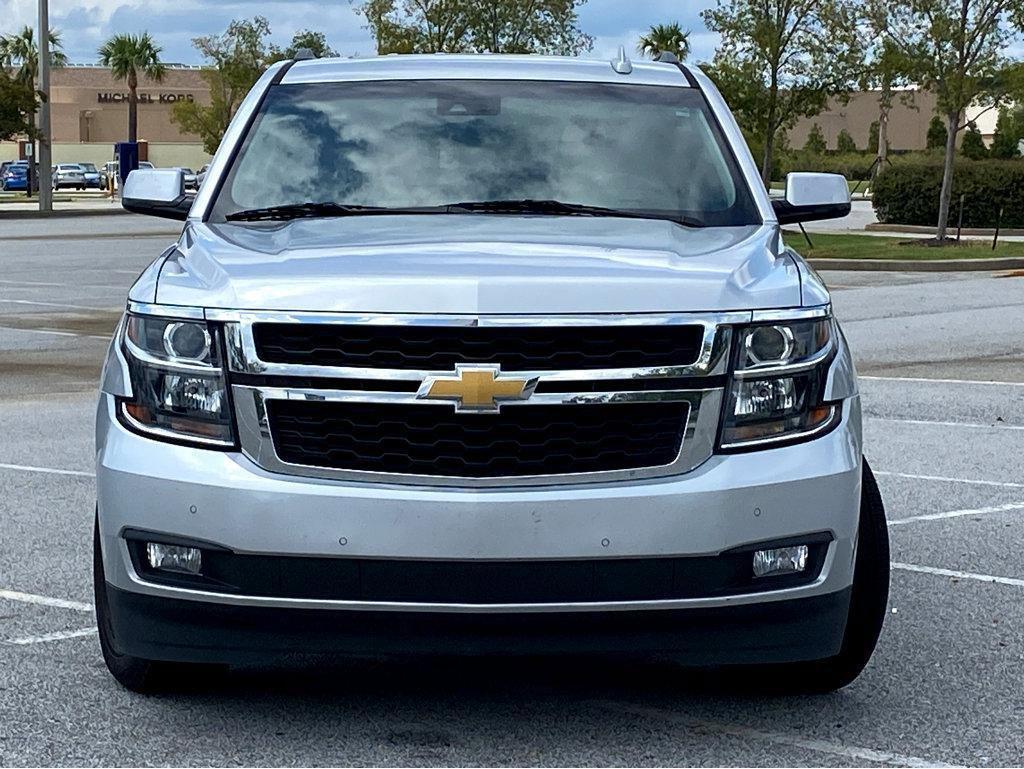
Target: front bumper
[{"x": 727, "y": 502}]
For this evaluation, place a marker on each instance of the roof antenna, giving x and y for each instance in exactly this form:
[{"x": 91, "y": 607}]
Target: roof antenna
[
  {"x": 668, "y": 57},
  {"x": 621, "y": 63},
  {"x": 304, "y": 54}
]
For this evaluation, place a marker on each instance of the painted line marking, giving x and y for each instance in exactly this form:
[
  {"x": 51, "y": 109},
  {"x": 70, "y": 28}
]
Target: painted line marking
[
  {"x": 938, "y": 423},
  {"x": 43, "y": 600},
  {"x": 63, "y": 306},
  {"x": 47, "y": 470},
  {"x": 714, "y": 728},
  {"x": 934, "y": 571},
  {"x": 957, "y": 514},
  {"x": 944, "y": 479},
  {"x": 62, "y": 635},
  {"x": 940, "y": 381},
  {"x": 52, "y": 332}
]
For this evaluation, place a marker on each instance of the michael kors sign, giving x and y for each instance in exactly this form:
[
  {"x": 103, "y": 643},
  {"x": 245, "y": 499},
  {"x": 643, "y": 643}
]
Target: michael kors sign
[{"x": 108, "y": 97}]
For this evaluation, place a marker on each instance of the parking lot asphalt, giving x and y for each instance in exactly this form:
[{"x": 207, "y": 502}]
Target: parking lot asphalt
[{"x": 942, "y": 364}]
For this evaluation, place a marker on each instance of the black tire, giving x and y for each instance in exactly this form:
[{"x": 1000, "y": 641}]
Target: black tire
[
  {"x": 133, "y": 673},
  {"x": 868, "y": 603}
]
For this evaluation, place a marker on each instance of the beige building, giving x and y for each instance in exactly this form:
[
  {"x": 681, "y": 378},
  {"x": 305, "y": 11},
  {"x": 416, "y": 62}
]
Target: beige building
[
  {"x": 908, "y": 120},
  {"x": 89, "y": 113}
]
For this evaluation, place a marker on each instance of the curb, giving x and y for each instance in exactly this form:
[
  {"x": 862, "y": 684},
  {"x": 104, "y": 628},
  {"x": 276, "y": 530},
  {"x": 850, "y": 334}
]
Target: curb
[
  {"x": 916, "y": 229},
  {"x": 920, "y": 265},
  {"x": 63, "y": 213}
]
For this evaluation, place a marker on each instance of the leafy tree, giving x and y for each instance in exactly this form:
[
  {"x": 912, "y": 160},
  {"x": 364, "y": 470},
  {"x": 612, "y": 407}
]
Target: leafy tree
[
  {"x": 973, "y": 146},
  {"x": 465, "y": 26},
  {"x": 1009, "y": 132},
  {"x": 780, "y": 60},
  {"x": 886, "y": 70},
  {"x": 17, "y": 105},
  {"x": 665, "y": 37},
  {"x": 20, "y": 52},
  {"x": 128, "y": 56},
  {"x": 845, "y": 142},
  {"x": 956, "y": 49},
  {"x": 816, "y": 141},
  {"x": 235, "y": 60},
  {"x": 936, "y": 134},
  {"x": 306, "y": 38}
]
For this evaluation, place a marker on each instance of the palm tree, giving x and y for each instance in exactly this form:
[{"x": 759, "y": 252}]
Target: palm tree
[
  {"x": 21, "y": 50},
  {"x": 127, "y": 56},
  {"x": 665, "y": 37}
]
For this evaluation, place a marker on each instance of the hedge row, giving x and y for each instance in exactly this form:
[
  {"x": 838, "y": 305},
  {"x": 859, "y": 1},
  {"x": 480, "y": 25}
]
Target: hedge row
[{"x": 908, "y": 193}]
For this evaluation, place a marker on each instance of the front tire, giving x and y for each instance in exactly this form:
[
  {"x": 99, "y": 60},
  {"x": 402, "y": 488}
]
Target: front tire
[{"x": 134, "y": 673}]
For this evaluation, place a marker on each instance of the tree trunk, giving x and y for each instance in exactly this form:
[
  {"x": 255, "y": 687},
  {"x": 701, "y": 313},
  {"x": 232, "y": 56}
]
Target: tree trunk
[
  {"x": 883, "y": 128},
  {"x": 952, "y": 126},
  {"x": 133, "y": 107},
  {"x": 766, "y": 162}
]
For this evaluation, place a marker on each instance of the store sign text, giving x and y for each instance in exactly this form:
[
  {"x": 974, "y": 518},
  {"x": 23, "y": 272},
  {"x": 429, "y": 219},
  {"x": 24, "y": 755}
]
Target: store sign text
[{"x": 144, "y": 98}]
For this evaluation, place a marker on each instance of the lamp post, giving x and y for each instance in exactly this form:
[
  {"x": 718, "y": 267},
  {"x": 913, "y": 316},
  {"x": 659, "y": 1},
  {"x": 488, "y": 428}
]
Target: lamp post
[{"x": 45, "y": 156}]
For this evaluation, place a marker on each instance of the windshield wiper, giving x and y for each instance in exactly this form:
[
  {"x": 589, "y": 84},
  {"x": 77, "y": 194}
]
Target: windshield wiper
[
  {"x": 304, "y": 210},
  {"x": 558, "y": 208}
]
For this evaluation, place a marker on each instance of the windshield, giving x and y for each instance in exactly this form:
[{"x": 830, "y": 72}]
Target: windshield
[
  {"x": 88, "y": 167},
  {"x": 649, "y": 150}
]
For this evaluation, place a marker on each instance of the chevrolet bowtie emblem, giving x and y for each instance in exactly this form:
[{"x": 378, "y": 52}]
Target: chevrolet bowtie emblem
[{"x": 477, "y": 388}]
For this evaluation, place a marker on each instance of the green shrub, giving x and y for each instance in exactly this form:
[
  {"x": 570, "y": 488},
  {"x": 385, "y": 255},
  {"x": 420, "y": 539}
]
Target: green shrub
[
  {"x": 908, "y": 193},
  {"x": 852, "y": 165},
  {"x": 845, "y": 143}
]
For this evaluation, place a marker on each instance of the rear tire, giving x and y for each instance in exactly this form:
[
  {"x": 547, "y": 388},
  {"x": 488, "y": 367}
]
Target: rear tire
[
  {"x": 868, "y": 601},
  {"x": 134, "y": 673}
]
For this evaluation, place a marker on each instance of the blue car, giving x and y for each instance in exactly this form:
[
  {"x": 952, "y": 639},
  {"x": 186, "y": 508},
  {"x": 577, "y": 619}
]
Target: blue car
[{"x": 15, "y": 178}]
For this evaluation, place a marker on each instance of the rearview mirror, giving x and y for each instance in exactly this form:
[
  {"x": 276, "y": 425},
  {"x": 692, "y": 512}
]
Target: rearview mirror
[
  {"x": 157, "y": 192},
  {"x": 811, "y": 197}
]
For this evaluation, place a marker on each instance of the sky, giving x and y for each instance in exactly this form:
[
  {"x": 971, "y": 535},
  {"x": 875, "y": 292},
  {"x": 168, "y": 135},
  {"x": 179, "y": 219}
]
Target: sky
[{"x": 85, "y": 24}]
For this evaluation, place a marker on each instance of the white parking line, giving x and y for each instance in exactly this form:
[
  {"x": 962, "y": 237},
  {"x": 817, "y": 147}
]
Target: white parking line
[
  {"x": 946, "y": 479},
  {"x": 62, "y": 635},
  {"x": 957, "y": 514},
  {"x": 53, "y": 332},
  {"x": 712, "y": 728},
  {"x": 938, "y": 423},
  {"x": 63, "y": 306},
  {"x": 43, "y": 600},
  {"x": 1011, "y": 581},
  {"x": 940, "y": 381},
  {"x": 47, "y": 470}
]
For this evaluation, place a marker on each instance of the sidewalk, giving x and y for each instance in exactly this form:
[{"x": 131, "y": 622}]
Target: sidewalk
[{"x": 30, "y": 209}]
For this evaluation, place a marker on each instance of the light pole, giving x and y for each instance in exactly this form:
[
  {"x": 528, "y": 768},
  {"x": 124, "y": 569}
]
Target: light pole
[{"x": 45, "y": 181}]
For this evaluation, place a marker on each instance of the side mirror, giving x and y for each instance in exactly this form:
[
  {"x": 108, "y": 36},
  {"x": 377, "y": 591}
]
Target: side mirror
[
  {"x": 157, "y": 192},
  {"x": 810, "y": 197}
]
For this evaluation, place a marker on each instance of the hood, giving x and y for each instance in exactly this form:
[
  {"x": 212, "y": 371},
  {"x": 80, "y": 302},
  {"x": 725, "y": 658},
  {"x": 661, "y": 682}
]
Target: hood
[{"x": 478, "y": 264}]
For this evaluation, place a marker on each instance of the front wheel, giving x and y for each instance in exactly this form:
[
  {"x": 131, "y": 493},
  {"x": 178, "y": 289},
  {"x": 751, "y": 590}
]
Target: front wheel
[{"x": 133, "y": 673}]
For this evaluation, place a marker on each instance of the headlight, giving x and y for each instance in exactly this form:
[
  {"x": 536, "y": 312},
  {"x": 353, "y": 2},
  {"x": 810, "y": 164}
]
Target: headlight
[
  {"x": 180, "y": 392},
  {"x": 777, "y": 389}
]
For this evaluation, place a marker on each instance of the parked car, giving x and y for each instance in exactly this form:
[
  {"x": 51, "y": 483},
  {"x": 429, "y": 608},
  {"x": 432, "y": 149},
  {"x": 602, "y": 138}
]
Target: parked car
[
  {"x": 15, "y": 177},
  {"x": 94, "y": 180},
  {"x": 68, "y": 176},
  {"x": 526, "y": 367},
  {"x": 189, "y": 175},
  {"x": 201, "y": 175}
]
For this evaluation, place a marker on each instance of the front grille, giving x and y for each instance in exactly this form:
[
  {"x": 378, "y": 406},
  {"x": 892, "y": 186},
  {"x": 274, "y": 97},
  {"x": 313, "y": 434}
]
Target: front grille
[
  {"x": 432, "y": 440},
  {"x": 436, "y": 348}
]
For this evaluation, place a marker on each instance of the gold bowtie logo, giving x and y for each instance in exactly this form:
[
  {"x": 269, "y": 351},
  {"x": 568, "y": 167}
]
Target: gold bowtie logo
[{"x": 477, "y": 388}]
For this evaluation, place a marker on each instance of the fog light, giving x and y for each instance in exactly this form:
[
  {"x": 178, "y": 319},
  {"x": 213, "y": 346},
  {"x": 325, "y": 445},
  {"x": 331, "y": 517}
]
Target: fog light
[
  {"x": 186, "y": 560},
  {"x": 780, "y": 560}
]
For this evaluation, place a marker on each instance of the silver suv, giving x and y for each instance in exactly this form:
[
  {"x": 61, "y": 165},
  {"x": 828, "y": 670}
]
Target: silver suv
[{"x": 484, "y": 355}]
